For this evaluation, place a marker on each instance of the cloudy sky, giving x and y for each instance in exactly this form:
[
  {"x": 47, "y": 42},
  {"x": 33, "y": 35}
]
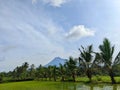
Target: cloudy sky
[{"x": 36, "y": 31}]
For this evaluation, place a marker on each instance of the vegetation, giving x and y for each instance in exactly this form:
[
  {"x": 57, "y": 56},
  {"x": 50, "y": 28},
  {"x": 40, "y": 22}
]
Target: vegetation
[
  {"x": 31, "y": 85},
  {"x": 87, "y": 61},
  {"x": 51, "y": 85},
  {"x": 107, "y": 58},
  {"x": 94, "y": 65}
]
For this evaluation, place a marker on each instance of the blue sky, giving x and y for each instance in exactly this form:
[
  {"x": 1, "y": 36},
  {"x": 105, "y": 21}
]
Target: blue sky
[{"x": 36, "y": 31}]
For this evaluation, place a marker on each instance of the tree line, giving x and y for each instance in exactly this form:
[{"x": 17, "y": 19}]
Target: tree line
[{"x": 89, "y": 63}]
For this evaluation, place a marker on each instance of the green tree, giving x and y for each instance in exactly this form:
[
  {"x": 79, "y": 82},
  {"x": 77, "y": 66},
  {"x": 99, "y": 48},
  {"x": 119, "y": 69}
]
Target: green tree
[
  {"x": 116, "y": 69},
  {"x": 71, "y": 68},
  {"x": 24, "y": 70},
  {"x": 106, "y": 52},
  {"x": 39, "y": 72},
  {"x": 49, "y": 69},
  {"x": 44, "y": 73},
  {"x": 87, "y": 60},
  {"x": 62, "y": 72},
  {"x": 54, "y": 72},
  {"x": 21, "y": 72},
  {"x": 32, "y": 71}
]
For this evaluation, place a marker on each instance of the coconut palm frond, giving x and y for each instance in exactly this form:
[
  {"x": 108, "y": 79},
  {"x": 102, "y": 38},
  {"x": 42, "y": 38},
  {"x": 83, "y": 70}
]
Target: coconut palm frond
[
  {"x": 106, "y": 52},
  {"x": 82, "y": 62},
  {"x": 112, "y": 51},
  {"x": 117, "y": 59},
  {"x": 97, "y": 60},
  {"x": 90, "y": 48}
]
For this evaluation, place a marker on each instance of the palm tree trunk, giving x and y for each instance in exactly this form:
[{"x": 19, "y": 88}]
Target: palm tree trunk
[
  {"x": 89, "y": 75},
  {"x": 49, "y": 78},
  {"x": 73, "y": 76},
  {"x": 54, "y": 78},
  {"x": 112, "y": 76},
  {"x": 62, "y": 78}
]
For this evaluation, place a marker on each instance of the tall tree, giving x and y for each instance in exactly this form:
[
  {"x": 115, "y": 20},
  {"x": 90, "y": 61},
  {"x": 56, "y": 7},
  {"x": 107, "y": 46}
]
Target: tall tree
[
  {"x": 49, "y": 71},
  {"x": 106, "y": 52},
  {"x": 71, "y": 67},
  {"x": 88, "y": 60},
  {"x": 32, "y": 71},
  {"x": 54, "y": 72},
  {"x": 62, "y": 72},
  {"x": 39, "y": 72},
  {"x": 24, "y": 68},
  {"x": 20, "y": 72}
]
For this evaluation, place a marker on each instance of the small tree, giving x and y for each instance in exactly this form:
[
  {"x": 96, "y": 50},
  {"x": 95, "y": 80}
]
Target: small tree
[
  {"x": 62, "y": 72},
  {"x": 32, "y": 71},
  {"x": 87, "y": 60},
  {"x": 54, "y": 72},
  {"x": 39, "y": 72},
  {"x": 49, "y": 72},
  {"x": 106, "y": 52},
  {"x": 71, "y": 67}
]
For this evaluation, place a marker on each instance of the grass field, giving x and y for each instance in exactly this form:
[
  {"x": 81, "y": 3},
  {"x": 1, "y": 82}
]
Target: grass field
[
  {"x": 38, "y": 85},
  {"x": 51, "y": 85},
  {"x": 30, "y": 85}
]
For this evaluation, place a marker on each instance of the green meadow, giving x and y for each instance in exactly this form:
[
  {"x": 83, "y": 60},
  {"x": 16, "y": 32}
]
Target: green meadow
[
  {"x": 99, "y": 83},
  {"x": 37, "y": 85},
  {"x": 30, "y": 85}
]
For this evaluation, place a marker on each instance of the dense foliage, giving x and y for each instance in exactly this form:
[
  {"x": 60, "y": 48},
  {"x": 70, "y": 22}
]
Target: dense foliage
[{"x": 89, "y": 63}]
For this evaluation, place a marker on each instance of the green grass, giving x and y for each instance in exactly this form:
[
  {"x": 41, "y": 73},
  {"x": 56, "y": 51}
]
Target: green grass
[
  {"x": 30, "y": 85},
  {"x": 51, "y": 85},
  {"x": 37, "y": 85}
]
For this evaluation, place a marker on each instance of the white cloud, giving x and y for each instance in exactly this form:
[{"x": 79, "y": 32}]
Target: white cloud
[
  {"x": 55, "y": 3},
  {"x": 78, "y": 32}
]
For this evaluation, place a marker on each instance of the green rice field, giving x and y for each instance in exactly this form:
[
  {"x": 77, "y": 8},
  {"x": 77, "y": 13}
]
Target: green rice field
[{"x": 49, "y": 85}]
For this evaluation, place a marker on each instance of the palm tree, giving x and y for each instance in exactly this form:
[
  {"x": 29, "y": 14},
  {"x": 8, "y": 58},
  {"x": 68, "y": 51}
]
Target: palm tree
[
  {"x": 71, "y": 67},
  {"x": 87, "y": 60},
  {"x": 24, "y": 68},
  {"x": 49, "y": 72},
  {"x": 32, "y": 71},
  {"x": 39, "y": 72},
  {"x": 107, "y": 57},
  {"x": 54, "y": 72},
  {"x": 62, "y": 72}
]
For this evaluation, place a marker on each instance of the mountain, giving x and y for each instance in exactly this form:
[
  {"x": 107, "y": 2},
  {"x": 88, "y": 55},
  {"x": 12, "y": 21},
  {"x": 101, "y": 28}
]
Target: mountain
[{"x": 56, "y": 61}]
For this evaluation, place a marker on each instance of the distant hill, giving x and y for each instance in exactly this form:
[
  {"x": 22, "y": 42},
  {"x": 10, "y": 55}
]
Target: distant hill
[{"x": 56, "y": 61}]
